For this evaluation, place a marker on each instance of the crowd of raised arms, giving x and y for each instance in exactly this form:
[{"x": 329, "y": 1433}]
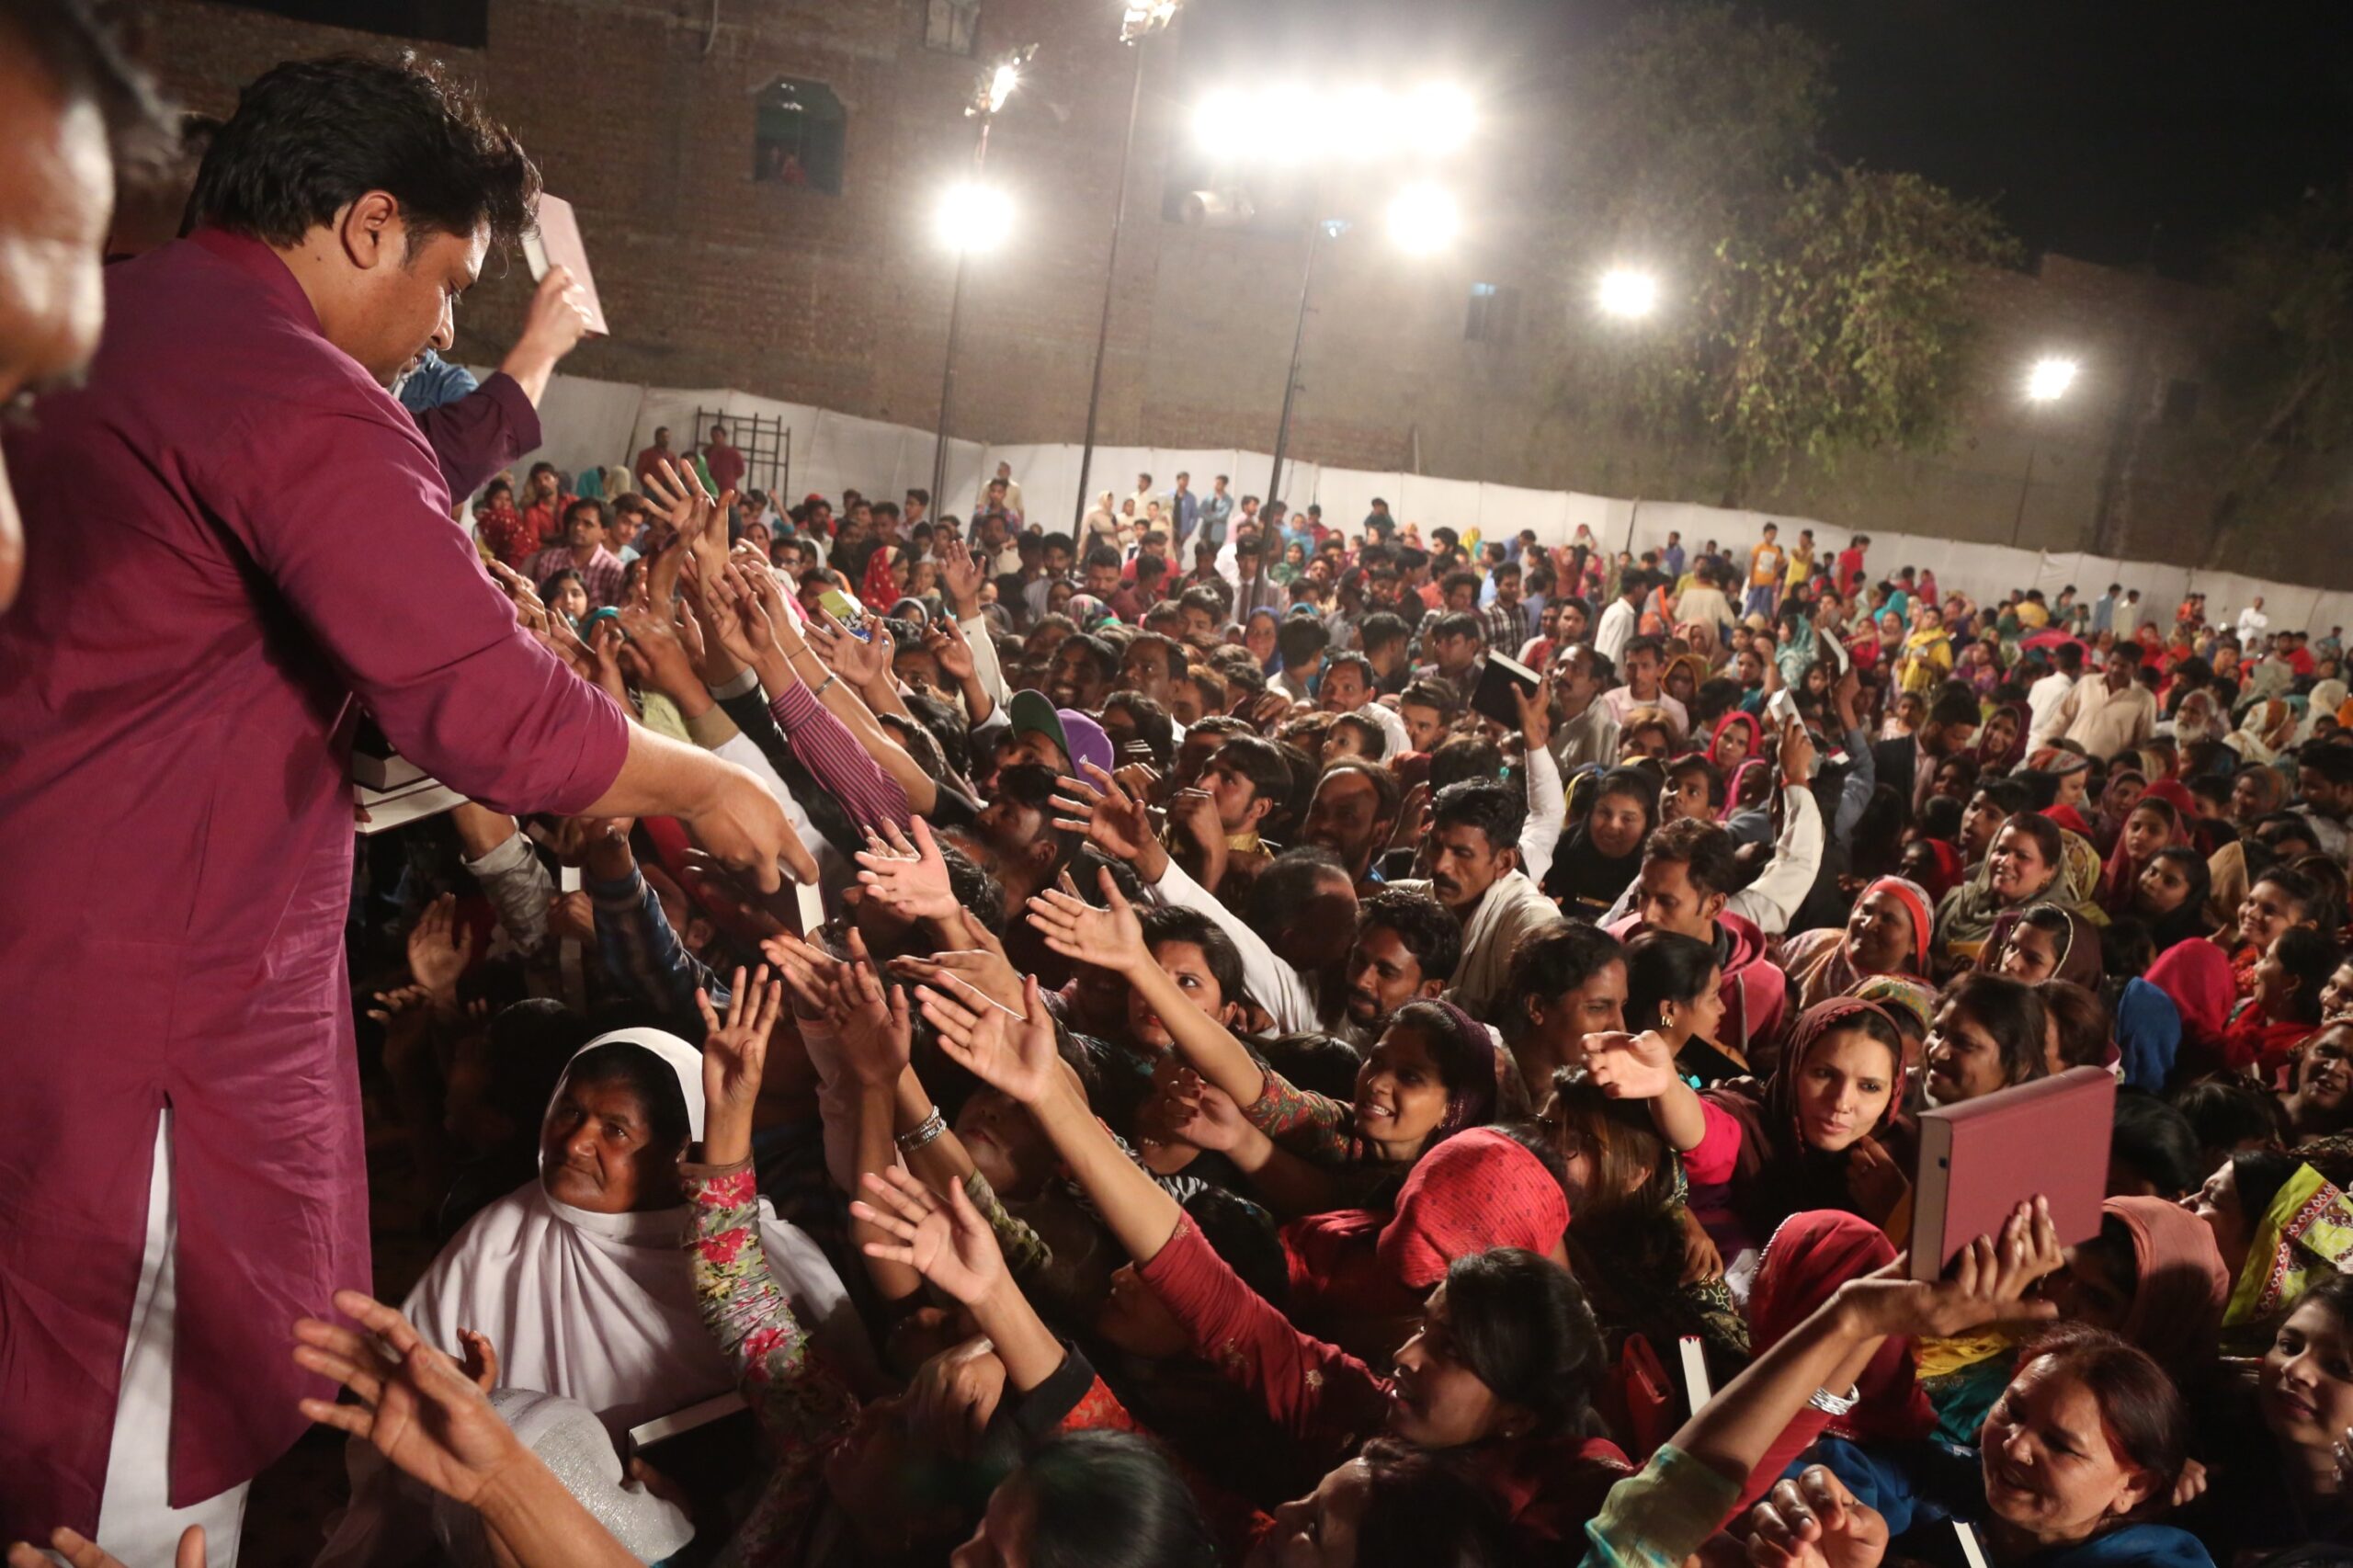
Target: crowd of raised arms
[{"x": 1234, "y": 1101}]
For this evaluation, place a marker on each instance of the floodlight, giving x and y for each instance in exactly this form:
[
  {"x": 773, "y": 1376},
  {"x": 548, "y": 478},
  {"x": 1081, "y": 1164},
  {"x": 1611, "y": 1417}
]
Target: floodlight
[
  {"x": 1442, "y": 117},
  {"x": 1221, "y": 125},
  {"x": 2049, "y": 380},
  {"x": 1361, "y": 125},
  {"x": 1423, "y": 219},
  {"x": 972, "y": 216},
  {"x": 1002, "y": 81},
  {"x": 1627, "y": 292}
]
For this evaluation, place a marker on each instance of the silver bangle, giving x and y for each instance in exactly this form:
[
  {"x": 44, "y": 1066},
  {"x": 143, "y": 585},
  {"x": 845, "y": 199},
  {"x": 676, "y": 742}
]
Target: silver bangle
[
  {"x": 830, "y": 678},
  {"x": 926, "y": 1132},
  {"x": 1834, "y": 1404}
]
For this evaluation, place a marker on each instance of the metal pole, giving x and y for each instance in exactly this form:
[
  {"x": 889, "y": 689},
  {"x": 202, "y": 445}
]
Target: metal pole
[
  {"x": 1110, "y": 282},
  {"x": 955, "y": 324},
  {"x": 2024, "y": 486},
  {"x": 1290, "y": 377}
]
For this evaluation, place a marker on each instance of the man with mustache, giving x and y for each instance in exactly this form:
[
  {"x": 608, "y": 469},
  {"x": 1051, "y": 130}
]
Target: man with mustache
[{"x": 1474, "y": 873}]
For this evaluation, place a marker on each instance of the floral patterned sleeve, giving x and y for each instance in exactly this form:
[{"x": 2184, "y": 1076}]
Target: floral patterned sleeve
[
  {"x": 1313, "y": 1126},
  {"x": 801, "y": 1403},
  {"x": 1025, "y": 1250}
]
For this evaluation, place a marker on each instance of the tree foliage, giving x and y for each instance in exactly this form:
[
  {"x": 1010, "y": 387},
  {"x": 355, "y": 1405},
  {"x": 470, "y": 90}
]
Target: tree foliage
[
  {"x": 2288, "y": 363},
  {"x": 1811, "y": 309}
]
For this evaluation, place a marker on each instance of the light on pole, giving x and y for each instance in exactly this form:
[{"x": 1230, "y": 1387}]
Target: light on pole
[
  {"x": 972, "y": 217},
  {"x": 2047, "y": 381},
  {"x": 1627, "y": 292},
  {"x": 1141, "y": 21}
]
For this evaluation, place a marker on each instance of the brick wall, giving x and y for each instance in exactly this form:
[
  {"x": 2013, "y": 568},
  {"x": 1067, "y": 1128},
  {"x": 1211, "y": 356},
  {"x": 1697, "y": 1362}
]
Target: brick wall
[{"x": 640, "y": 112}]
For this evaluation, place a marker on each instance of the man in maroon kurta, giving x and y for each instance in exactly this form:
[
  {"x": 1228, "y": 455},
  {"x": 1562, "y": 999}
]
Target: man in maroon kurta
[{"x": 234, "y": 530}]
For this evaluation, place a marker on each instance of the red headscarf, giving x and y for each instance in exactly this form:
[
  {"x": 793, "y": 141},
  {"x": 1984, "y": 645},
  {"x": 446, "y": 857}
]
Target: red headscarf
[
  {"x": 2177, "y": 1305},
  {"x": 1809, "y": 1257},
  {"x": 1919, "y": 903},
  {"x": 2197, "y": 976},
  {"x": 1948, "y": 871},
  {"x": 1716, "y": 735}
]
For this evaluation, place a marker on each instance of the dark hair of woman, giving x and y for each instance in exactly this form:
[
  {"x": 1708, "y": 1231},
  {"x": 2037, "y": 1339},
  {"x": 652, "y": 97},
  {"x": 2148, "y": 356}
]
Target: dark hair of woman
[
  {"x": 1243, "y": 1234},
  {"x": 2154, "y": 1140},
  {"x": 2082, "y": 1019},
  {"x": 1464, "y": 1065},
  {"x": 1110, "y": 1500},
  {"x": 2142, "y": 1413},
  {"x": 1633, "y": 1177},
  {"x": 1172, "y": 922},
  {"x": 646, "y": 1075},
  {"x": 1424, "y": 1512},
  {"x": 1663, "y": 967},
  {"x": 2010, "y": 1012},
  {"x": 1522, "y": 1325},
  {"x": 2258, "y": 1175},
  {"x": 2310, "y": 957}
]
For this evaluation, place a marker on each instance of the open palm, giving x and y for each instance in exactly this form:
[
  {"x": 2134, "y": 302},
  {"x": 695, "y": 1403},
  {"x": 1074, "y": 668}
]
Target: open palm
[
  {"x": 949, "y": 1243},
  {"x": 1109, "y": 937}
]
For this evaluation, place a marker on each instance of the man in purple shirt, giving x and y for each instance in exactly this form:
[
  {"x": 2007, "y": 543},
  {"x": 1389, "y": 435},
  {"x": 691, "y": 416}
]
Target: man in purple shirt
[{"x": 184, "y": 1174}]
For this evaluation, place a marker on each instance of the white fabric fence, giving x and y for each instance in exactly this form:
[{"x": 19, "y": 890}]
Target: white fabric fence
[{"x": 590, "y": 421}]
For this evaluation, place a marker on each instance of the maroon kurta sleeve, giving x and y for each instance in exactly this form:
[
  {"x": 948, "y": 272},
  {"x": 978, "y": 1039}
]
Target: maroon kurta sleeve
[
  {"x": 413, "y": 623},
  {"x": 475, "y": 436}
]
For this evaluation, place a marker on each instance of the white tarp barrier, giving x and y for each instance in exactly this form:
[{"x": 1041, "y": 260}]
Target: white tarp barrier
[{"x": 586, "y": 421}]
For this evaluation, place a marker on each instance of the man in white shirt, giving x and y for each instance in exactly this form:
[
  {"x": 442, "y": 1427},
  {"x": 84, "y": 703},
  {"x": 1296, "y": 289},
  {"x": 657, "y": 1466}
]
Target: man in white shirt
[
  {"x": 1584, "y": 733},
  {"x": 2043, "y": 698},
  {"x": 1012, "y": 502},
  {"x": 1139, "y": 503},
  {"x": 2114, "y": 713},
  {"x": 1618, "y": 622},
  {"x": 2253, "y": 622}
]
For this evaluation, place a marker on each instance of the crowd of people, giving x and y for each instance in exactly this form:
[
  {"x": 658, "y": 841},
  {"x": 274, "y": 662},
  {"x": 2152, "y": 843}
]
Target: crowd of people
[
  {"x": 1224, "y": 1036},
  {"x": 1234, "y": 1095}
]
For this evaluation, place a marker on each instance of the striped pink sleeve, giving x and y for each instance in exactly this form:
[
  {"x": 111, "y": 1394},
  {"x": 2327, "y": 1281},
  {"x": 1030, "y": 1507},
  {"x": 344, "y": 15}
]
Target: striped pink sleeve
[{"x": 833, "y": 757}]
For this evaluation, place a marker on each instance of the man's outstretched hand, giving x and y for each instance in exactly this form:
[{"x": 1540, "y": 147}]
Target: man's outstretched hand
[{"x": 741, "y": 824}]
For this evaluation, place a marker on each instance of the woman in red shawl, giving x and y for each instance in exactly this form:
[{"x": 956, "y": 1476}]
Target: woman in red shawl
[
  {"x": 2153, "y": 1278},
  {"x": 1735, "y": 739},
  {"x": 1809, "y": 1257},
  {"x": 2285, "y": 1010},
  {"x": 880, "y": 587},
  {"x": 1886, "y": 933},
  {"x": 2196, "y": 976},
  {"x": 1810, "y": 1137}
]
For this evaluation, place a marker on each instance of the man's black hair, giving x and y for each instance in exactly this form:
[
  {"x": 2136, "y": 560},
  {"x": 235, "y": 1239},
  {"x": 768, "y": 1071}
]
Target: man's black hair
[
  {"x": 1383, "y": 628},
  {"x": 1459, "y": 580},
  {"x": 1955, "y": 704},
  {"x": 944, "y": 722},
  {"x": 1172, "y": 652},
  {"x": 1101, "y": 555},
  {"x": 1301, "y": 639},
  {"x": 1262, "y": 762},
  {"x": 1427, "y": 927},
  {"x": 1704, "y": 850},
  {"x": 1033, "y": 786},
  {"x": 1434, "y": 694},
  {"x": 1456, "y": 623},
  {"x": 1155, "y": 728},
  {"x": 1284, "y": 889},
  {"x": 311, "y": 137},
  {"x": 1494, "y": 809},
  {"x": 1106, "y": 657},
  {"x": 1462, "y": 757}
]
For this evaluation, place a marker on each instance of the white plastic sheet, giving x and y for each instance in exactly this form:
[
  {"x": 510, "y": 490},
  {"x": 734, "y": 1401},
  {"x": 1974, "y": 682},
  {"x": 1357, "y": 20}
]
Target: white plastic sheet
[{"x": 587, "y": 421}]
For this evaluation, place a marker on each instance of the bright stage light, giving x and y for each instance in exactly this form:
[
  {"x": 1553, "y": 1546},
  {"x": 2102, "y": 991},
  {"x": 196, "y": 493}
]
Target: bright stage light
[
  {"x": 1361, "y": 125},
  {"x": 1002, "y": 82},
  {"x": 1221, "y": 125},
  {"x": 1627, "y": 293},
  {"x": 1442, "y": 116},
  {"x": 2049, "y": 380},
  {"x": 1286, "y": 125},
  {"x": 1423, "y": 219},
  {"x": 972, "y": 217}
]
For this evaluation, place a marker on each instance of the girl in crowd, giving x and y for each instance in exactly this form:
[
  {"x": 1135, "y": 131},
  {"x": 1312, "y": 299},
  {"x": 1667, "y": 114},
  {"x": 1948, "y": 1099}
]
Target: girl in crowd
[
  {"x": 2170, "y": 896},
  {"x": 1432, "y": 1074},
  {"x": 1887, "y": 932},
  {"x": 2154, "y": 824},
  {"x": 1567, "y": 980},
  {"x": 1603, "y": 853},
  {"x": 2033, "y": 860},
  {"x": 2041, "y": 942},
  {"x": 1628, "y": 1234},
  {"x": 1989, "y": 1033},
  {"x": 566, "y": 595},
  {"x": 1735, "y": 740},
  {"x": 2001, "y": 743},
  {"x": 2285, "y": 1010},
  {"x": 1812, "y": 1136}
]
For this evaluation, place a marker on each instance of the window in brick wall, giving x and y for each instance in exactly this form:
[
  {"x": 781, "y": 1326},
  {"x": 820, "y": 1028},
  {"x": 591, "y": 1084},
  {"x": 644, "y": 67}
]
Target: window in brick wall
[
  {"x": 1494, "y": 313},
  {"x": 2181, "y": 401},
  {"x": 799, "y": 129},
  {"x": 463, "y": 24},
  {"x": 952, "y": 26}
]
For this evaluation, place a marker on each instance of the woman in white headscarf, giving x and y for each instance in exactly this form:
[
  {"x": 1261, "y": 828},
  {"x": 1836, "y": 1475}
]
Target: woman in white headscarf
[
  {"x": 2327, "y": 699},
  {"x": 577, "y": 1278}
]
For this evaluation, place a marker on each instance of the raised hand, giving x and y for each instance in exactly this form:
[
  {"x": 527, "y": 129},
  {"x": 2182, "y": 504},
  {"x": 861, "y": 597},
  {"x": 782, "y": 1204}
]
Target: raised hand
[
  {"x": 1814, "y": 1522},
  {"x": 949, "y": 649},
  {"x": 861, "y": 662},
  {"x": 949, "y": 1243},
  {"x": 877, "y": 1030},
  {"x": 690, "y": 509},
  {"x": 1204, "y": 1115},
  {"x": 1535, "y": 712},
  {"x": 736, "y": 1049},
  {"x": 1988, "y": 1283},
  {"x": 1115, "y": 821},
  {"x": 415, "y": 1405},
  {"x": 1631, "y": 1066},
  {"x": 655, "y": 637},
  {"x": 1874, "y": 1180},
  {"x": 953, "y": 1395},
  {"x": 436, "y": 950},
  {"x": 1016, "y": 1057},
  {"x": 970, "y": 974},
  {"x": 959, "y": 578},
  {"x": 910, "y": 877},
  {"x": 1111, "y": 938}
]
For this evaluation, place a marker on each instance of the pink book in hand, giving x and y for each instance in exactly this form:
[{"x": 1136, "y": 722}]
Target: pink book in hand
[
  {"x": 1980, "y": 1159},
  {"x": 556, "y": 242}
]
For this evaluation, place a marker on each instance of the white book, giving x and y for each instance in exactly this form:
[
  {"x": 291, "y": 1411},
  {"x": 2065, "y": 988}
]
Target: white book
[
  {"x": 718, "y": 1407},
  {"x": 1695, "y": 1372}
]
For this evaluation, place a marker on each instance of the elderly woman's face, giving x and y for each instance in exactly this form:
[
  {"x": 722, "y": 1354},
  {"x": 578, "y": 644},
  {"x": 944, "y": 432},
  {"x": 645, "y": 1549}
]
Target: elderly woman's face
[{"x": 596, "y": 1152}]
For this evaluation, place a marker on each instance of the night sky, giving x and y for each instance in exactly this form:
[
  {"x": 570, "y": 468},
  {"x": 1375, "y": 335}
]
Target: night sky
[{"x": 2107, "y": 130}]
